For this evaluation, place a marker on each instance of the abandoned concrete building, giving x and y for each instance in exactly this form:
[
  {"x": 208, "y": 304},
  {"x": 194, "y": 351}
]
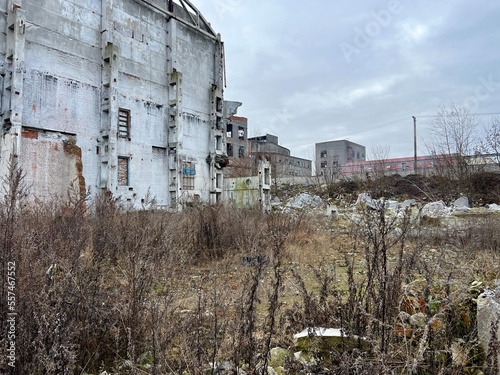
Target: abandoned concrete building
[
  {"x": 282, "y": 162},
  {"x": 236, "y": 135},
  {"x": 118, "y": 95},
  {"x": 240, "y": 165}
]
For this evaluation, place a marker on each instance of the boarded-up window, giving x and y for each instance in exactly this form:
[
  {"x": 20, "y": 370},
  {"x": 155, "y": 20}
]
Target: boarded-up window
[
  {"x": 124, "y": 123},
  {"x": 123, "y": 171},
  {"x": 188, "y": 175}
]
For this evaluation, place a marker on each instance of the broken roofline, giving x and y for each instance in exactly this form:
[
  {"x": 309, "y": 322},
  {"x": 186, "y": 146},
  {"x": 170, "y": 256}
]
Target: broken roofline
[{"x": 198, "y": 22}]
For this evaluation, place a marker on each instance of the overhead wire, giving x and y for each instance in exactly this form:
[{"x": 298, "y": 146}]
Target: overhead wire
[{"x": 408, "y": 119}]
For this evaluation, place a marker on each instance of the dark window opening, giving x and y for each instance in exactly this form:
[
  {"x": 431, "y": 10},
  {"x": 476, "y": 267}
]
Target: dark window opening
[
  {"x": 241, "y": 132},
  {"x": 218, "y": 122},
  {"x": 323, "y": 154},
  {"x": 267, "y": 176},
  {"x": 219, "y": 104},
  {"x": 241, "y": 152},
  {"x": 229, "y": 148},
  {"x": 229, "y": 130}
]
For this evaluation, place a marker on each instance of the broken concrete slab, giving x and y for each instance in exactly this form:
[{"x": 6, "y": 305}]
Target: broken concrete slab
[
  {"x": 488, "y": 316},
  {"x": 461, "y": 204},
  {"x": 392, "y": 205},
  {"x": 407, "y": 203},
  {"x": 435, "y": 210},
  {"x": 304, "y": 200},
  {"x": 275, "y": 201},
  {"x": 277, "y": 357},
  {"x": 494, "y": 207},
  {"x": 327, "y": 339},
  {"x": 364, "y": 200}
]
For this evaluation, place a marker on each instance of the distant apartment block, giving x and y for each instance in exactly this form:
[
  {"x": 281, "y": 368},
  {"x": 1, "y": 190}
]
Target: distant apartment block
[
  {"x": 332, "y": 155},
  {"x": 283, "y": 164}
]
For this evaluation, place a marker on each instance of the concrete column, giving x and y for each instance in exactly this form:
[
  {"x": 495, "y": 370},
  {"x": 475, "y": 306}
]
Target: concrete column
[
  {"x": 13, "y": 86},
  {"x": 174, "y": 128},
  {"x": 217, "y": 138},
  {"x": 109, "y": 100}
]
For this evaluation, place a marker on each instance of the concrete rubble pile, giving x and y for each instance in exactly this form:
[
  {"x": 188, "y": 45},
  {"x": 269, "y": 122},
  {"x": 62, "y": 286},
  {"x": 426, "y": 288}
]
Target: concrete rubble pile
[{"x": 305, "y": 200}]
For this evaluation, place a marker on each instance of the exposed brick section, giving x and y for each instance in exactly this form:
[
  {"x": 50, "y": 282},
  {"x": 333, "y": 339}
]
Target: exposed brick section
[{"x": 123, "y": 171}]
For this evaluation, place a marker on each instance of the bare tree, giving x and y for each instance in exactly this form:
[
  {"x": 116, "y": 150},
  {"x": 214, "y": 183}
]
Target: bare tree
[
  {"x": 328, "y": 171},
  {"x": 454, "y": 141},
  {"x": 490, "y": 144},
  {"x": 380, "y": 154}
]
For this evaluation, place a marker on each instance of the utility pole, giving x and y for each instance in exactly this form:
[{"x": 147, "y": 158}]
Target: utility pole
[{"x": 415, "y": 144}]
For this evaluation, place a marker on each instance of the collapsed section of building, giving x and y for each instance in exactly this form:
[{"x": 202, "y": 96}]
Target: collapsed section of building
[{"x": 124, "y": 96}]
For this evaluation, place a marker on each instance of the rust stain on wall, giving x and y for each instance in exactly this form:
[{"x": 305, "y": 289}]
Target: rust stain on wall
[
  {"x": 28, "y": 133},
  {"x": 72, "y": 149}
]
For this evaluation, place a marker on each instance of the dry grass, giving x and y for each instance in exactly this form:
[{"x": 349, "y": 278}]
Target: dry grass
[{"x": 102, "y": 288}]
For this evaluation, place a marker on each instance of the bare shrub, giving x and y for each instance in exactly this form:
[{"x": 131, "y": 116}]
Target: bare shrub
[{"x": 103, "y": 288}]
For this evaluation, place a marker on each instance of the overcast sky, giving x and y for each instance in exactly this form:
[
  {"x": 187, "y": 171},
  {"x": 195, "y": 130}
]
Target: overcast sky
[{"x": 319, "y": 70}]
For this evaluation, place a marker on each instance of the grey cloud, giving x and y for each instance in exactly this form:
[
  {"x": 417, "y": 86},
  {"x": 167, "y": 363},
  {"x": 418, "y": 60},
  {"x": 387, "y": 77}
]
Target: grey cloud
[{"x": 284, "y": 61}]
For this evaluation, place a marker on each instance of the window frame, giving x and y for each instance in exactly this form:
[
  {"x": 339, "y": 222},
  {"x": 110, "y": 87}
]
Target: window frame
[
  {"x": 124, "y": 123},
  {"x": 188, "y": 178},
  {"x": 127, "y": 177}
]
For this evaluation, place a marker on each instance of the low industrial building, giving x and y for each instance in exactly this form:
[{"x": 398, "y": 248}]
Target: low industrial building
[{"x": 251, "y": 191}]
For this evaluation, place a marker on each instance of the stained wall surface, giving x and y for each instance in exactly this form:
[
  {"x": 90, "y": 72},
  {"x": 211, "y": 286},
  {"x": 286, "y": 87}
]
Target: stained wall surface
[{"x": 124, "y": 82}]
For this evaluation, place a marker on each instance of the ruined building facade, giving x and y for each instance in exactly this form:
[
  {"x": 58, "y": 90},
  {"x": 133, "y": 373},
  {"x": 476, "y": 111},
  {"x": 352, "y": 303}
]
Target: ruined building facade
[
  {"x": 283, "y": 163},
  {"x": 124, "y": 96}
]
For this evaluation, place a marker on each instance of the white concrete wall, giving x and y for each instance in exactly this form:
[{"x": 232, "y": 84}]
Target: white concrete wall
[
  {"x": 65, "y": 82},
  {"x": 51, "y": 166}
]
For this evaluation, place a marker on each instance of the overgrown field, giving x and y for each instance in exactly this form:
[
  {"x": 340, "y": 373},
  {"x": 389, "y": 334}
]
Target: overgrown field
[{"x": 99, "y": 288}]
